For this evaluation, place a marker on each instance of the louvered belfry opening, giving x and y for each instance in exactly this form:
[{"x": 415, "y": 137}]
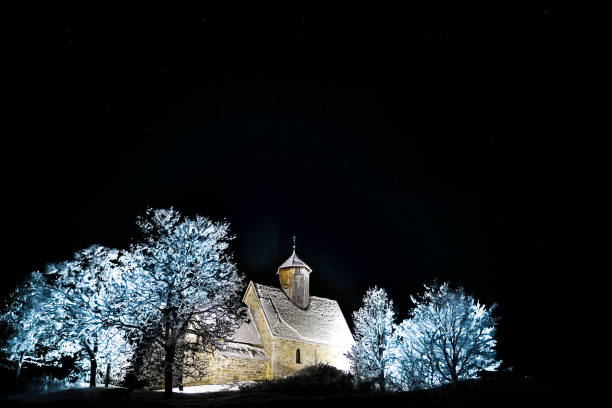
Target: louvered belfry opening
[
  {"x": 300, "y": 296},
  {"x": 294, "y": 279}
]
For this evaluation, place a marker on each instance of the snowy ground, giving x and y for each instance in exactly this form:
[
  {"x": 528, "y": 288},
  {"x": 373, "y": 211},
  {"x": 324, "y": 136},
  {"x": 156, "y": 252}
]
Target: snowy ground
[{"x": 197, "y": 389}]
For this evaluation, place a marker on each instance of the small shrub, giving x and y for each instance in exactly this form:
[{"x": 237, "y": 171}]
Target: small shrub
[
  {"x": 132, "y": 382},
  {"x": 318, "y": 379}
]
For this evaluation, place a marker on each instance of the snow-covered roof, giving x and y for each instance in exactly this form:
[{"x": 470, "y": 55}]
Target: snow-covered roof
[
  {"x": 294, "y": 260},
  {"x": 244, "y": 351},
  {"x": 247, "y": 332},
  {"x": 321, "y": 322}
]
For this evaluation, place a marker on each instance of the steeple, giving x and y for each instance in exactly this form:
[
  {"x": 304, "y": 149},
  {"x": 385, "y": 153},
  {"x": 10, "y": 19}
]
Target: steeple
[{"x": 294, "y": 277}]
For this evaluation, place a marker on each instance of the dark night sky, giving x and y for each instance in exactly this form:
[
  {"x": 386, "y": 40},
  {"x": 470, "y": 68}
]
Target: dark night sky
[{"x": 398, "y": 146}]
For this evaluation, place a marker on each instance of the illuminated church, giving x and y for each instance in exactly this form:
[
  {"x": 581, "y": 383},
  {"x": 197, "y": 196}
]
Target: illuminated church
[{"x": 286, "y": 330}]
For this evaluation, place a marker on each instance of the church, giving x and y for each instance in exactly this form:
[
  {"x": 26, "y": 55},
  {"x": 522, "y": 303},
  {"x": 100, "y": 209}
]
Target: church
[{"x": 286, "y": 330}]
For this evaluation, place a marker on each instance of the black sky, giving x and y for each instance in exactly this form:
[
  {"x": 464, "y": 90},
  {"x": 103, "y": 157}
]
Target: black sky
[{"x": 399, "y": 146}]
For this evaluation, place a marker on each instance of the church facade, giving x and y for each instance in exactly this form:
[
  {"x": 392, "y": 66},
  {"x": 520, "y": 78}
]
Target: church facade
[{"x": 286, "y": 330}]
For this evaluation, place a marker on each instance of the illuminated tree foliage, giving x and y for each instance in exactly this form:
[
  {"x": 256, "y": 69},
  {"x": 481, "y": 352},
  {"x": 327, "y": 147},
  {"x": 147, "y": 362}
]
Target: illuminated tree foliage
[
  {"x": 27, "y": 320},
  {"x": 371, "y": 356},
  {"x": 449, "y": 337},
  {"x": 178, "y": 291},
  {"x": 57, "y": 314},
  {"x": 78, "y": 297}
]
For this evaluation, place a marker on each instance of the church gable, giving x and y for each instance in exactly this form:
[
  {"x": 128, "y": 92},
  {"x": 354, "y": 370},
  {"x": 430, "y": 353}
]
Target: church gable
[{"x": 251, "y": 299}]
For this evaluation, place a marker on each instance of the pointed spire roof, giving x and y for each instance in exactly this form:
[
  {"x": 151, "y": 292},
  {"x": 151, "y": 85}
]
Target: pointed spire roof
[{"x": 294, "y": 261}]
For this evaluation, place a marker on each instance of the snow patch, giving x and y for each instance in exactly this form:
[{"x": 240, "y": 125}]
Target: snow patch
[{"x": 198, "y": 389}]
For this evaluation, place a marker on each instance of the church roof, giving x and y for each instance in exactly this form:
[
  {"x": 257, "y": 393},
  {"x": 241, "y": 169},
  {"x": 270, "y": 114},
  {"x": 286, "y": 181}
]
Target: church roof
[
  {"x": 322, "y": 322},
  {"x": 247, "y": 332},
  {"x": 244, "y": 351},
  {"x": 294, "y": 260}
]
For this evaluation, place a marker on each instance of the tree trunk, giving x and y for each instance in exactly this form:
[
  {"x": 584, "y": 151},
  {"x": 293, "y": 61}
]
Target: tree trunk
[
  {"x": 93, "y": 363},
  {"x": 381, "y": 356},
  {"x": 181, "y": 361},
  {"x": 168, "y": 361},
  {"x": 107, "y": 377},
  {"x": 93, "y": 371},
  {"x": 20, "y": 364}
]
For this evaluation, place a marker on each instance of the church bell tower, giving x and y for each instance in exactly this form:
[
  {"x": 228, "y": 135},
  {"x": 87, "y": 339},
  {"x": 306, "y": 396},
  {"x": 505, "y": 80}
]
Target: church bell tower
[{"x": 294, "y": 277}]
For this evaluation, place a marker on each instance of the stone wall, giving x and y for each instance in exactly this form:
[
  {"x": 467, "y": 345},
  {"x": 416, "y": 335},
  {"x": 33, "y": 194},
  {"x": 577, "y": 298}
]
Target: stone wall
[
  {"x": 226, "y": 369},
  {"x": 284, "y": 361}
]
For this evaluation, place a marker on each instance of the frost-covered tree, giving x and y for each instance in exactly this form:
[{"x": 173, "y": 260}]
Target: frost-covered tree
[
  {"x": 58, "y": 313},
  {"x": 410, "y": 368},
  {"x": 27, "y": 318},
  {"x": 179, "y": 289},
  {"x": 449, "y": 337},
  {"x": 371, "y": 355},
  {"x": 80, "y": 295}
]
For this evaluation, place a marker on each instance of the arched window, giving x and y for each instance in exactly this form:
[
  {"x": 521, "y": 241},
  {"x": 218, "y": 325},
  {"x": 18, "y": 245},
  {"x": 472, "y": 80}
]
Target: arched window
[{"x": 298, "y": 360}]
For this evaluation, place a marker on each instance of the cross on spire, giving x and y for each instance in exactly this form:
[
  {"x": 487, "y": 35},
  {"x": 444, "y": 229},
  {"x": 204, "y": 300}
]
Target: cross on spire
[{"x": 294, "y": 243}]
